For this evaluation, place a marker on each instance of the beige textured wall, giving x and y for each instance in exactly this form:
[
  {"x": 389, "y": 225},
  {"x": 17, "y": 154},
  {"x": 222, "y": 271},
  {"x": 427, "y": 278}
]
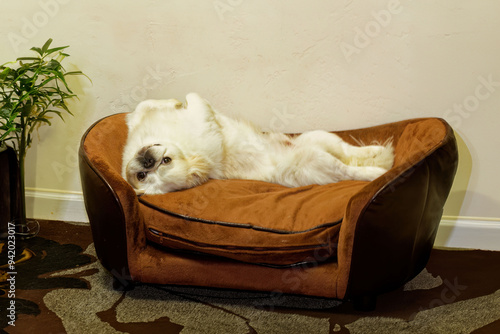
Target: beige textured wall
[{"x": 290, "y": 65}]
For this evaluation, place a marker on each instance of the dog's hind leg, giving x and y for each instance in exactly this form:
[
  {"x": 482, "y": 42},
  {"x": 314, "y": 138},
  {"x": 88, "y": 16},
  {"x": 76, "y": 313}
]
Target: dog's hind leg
[
  {"x": 312, "y": 165},
  {"x": 371, "y": 155}
]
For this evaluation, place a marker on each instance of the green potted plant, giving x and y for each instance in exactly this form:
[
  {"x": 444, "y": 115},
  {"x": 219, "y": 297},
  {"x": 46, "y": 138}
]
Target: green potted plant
[{"x": 32, "y": 90}]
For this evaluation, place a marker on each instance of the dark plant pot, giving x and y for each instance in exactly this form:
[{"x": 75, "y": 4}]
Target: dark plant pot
[{"x": 9, "y": 189}]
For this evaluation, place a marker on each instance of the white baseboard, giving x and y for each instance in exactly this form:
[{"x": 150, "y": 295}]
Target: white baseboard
[
  {"x": 469, "y": 232},
  {"x": 55, "y": 205},
  {"x": 459, "y": 232}
]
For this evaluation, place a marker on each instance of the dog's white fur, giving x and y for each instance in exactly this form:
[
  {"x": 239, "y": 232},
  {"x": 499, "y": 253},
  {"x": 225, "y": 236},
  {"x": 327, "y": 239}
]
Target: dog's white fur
[{"x": 171, "y": 146}]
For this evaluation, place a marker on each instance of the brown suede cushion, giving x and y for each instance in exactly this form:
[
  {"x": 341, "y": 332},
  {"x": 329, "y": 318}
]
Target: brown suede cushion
[{"x": 251, "y": 221}]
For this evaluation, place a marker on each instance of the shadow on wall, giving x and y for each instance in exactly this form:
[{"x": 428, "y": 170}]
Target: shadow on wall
[{"x": 455, "y": 201}]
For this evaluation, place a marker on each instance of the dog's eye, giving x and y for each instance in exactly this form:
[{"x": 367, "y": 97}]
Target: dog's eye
[
  {"x": 166, "y": 160},
  {"x": 141, "y": 176}
]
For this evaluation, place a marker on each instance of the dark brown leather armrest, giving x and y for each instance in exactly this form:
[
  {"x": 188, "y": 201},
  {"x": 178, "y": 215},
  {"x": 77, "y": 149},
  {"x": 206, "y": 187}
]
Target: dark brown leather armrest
[
  {"x": 390, "y": 226},
  {"x": 111, "y": 203}
]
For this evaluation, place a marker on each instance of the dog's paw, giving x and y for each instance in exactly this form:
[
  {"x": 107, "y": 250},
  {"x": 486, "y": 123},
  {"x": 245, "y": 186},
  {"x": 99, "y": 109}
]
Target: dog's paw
[
  {"x": 194, "y": 100},
  {"x": 371, "y": 173},
  {"x": 376, "y": 155},
  {"x": 139, "y": 192}
]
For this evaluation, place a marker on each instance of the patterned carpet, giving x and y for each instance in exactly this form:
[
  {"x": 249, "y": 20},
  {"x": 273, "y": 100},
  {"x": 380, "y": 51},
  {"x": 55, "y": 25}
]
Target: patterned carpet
[{"x": 60, "y": 287}]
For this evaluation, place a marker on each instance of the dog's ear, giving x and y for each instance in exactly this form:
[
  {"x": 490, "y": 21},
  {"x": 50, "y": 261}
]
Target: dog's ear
[{"x": 199, "y": 168}]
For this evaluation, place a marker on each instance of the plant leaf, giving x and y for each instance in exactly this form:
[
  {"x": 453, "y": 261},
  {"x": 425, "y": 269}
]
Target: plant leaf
[
  {"x": 74, "y": 73},
  {"x": 5, "y": 73},
  {"x": 37, "y": 50},
  {"x": 78, "y": 73},
  {"x": 45, "y": 120},
  {"x": 56, "y": 112},
  {"x": 54, "y": 65},
  {"x": 31, "y": 90},
  {"x": 46, "y": 45},
  {"x": 28, "y": 58},
  {"x": 57, "y": 49},
  {"x": 26, "y": 110}
]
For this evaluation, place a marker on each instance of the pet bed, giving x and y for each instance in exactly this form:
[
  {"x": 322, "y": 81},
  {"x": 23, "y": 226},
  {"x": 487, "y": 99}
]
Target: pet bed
[{"x": 347, "y": 240}]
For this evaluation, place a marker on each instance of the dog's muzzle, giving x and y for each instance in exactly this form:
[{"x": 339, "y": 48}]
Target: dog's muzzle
[{"x": 151, "y": 156}]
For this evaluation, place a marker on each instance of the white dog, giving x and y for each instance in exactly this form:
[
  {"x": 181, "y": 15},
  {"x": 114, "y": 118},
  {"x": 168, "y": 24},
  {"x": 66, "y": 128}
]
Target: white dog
[{"x": 172, "y": 146}]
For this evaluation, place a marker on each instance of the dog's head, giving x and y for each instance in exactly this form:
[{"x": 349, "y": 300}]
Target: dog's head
[{"x": 163, "y": 168}]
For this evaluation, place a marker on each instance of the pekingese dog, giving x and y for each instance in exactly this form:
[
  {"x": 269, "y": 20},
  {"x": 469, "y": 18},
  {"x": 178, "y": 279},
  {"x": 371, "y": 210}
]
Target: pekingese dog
[{"x": 173, "y": 146}]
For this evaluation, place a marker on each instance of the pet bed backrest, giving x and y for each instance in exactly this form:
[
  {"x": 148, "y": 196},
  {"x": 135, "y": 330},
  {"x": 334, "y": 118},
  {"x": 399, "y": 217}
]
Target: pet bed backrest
[
  {"x": 105, "y": 140},
  {"x": 419, "y": 140},
  {"x": 411, "y": 139}
]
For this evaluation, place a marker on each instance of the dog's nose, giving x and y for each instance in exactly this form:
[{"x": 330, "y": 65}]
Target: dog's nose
[
  {"x": 148, "y": 163},
  {"x": 148, "y": 160}
]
